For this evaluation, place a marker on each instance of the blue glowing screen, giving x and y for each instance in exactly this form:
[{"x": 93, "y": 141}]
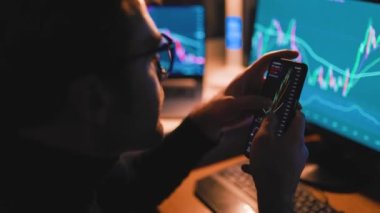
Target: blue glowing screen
[
  {"x": 186, "y": 25},
  {"x": 340, "y": 42}
]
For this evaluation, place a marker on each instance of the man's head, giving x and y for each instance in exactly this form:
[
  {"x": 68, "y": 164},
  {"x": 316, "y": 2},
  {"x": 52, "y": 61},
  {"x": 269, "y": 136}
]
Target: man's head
[{"x": 73, "y": 77}]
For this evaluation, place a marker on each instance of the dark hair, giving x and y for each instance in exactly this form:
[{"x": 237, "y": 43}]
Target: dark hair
[{"x": 50, "y": 43}]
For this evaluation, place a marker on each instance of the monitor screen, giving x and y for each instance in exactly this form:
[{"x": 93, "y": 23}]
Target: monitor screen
[
  {"x": 186, "y": 25},
  {"x": 340, "y": 42}
]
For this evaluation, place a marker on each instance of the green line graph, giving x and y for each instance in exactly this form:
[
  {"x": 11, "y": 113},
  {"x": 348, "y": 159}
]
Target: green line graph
[
  {"x": 288, "y": 38},
  {"x": 340, "y": 43}
]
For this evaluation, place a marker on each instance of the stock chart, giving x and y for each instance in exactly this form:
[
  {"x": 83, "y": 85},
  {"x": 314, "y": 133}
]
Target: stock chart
[
  {"x": 340, "y": 42},
  {"x": 186, "y": 26}
]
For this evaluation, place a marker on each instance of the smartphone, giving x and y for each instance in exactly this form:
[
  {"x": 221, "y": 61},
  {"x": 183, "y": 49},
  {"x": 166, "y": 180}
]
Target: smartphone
[{"x": 283, "y": 84}]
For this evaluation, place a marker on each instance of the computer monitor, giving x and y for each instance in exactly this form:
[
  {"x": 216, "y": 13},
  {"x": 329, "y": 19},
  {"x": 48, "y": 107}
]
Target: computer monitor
[
  {"x": 340, "y": 42},
  {"x": 186, "y": 25}
]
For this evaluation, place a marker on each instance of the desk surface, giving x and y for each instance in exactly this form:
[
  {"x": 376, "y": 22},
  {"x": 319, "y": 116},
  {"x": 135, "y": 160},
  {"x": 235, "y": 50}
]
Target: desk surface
[{"x": 183, "y": 199}]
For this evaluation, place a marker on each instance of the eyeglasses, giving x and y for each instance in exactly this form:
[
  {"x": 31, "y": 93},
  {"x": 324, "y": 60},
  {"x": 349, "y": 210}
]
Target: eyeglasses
[{"x": 165, "y": 57}]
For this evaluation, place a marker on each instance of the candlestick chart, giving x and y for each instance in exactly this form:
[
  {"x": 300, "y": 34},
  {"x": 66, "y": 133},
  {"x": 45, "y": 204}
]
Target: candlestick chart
[
  {"x": 340, "y": 42},
  {"x": 326, "y": 75},
  {"x": 189, "y": 56},
  {"x": 185, "y": 25}
]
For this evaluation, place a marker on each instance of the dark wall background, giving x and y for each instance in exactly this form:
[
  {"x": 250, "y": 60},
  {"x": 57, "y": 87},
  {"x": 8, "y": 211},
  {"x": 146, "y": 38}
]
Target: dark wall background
[{"x": 215, "y": 15}]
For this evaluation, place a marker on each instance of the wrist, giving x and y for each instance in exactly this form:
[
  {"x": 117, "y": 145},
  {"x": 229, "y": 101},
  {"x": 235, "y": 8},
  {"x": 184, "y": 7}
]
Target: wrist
[
  {"x": 275, "y": 193},
  {"x": 276, "y": 202}
]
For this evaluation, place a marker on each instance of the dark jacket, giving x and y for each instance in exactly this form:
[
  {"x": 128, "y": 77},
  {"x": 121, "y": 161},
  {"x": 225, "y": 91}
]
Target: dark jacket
[{"x": 36, "y": 178}]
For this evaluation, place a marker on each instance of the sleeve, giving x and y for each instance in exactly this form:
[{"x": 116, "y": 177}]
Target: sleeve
[{"x": 141, "y": 180}]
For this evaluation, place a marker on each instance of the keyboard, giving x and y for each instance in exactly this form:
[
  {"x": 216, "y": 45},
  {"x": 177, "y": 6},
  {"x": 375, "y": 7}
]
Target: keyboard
[{"x": 232, "y": 190}]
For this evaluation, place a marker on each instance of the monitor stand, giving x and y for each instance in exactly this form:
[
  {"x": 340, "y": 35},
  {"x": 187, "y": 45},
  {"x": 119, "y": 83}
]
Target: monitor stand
[
  {"x": 334, "y": 167},
  {"x": 323, "y": 178}
]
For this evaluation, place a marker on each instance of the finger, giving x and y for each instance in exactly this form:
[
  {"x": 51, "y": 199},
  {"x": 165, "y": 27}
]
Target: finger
[
  {"x": 241, "y": 108},
  {"x": 243, "y": 121},
  {"x": 265, "y": 125},
  {"x": 273, "y": 121},
  {"x": 258, "y": 68},
  {"x": 297, "y": 126},
  {"x": 268, "y": 128},
  {"x": 255, "y": 72}
]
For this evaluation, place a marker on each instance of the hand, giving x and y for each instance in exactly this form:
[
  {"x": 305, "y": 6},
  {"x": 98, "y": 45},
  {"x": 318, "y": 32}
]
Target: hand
[
  {"x": 251, "y": 80},
  {"x": 225, "y": 111},
  {"x": 239, "y": 100},
  {"x": 276, "y": 163}
]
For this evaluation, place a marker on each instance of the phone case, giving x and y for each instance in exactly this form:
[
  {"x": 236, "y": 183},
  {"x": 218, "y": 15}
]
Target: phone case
[
  {"x": 283, "y": 84},
  {"x": 286, "y": 98}
]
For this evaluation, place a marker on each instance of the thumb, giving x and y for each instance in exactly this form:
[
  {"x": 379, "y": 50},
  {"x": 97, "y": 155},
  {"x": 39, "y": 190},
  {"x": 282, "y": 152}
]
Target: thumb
[
  {"x": 238, "y": 110},
  {"x": 297, "y": 126}
]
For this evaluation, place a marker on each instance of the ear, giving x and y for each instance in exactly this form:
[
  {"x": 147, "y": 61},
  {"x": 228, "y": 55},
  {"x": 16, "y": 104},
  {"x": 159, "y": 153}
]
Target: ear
[{"x": 89, "y": 100}]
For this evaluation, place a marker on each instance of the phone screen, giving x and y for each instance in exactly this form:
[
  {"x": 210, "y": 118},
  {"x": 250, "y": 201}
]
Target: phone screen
[
  {"x": 286, "y": 98},
  {"x": 283, "y": 84}
]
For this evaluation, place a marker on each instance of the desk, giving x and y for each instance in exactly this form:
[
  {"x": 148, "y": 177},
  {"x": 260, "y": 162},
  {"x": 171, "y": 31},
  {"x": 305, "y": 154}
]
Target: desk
[{"x": 183, "y": 199}]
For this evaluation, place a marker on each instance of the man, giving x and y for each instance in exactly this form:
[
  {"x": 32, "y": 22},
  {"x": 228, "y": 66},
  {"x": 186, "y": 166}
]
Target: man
[{"x": 85, "y": 94}]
